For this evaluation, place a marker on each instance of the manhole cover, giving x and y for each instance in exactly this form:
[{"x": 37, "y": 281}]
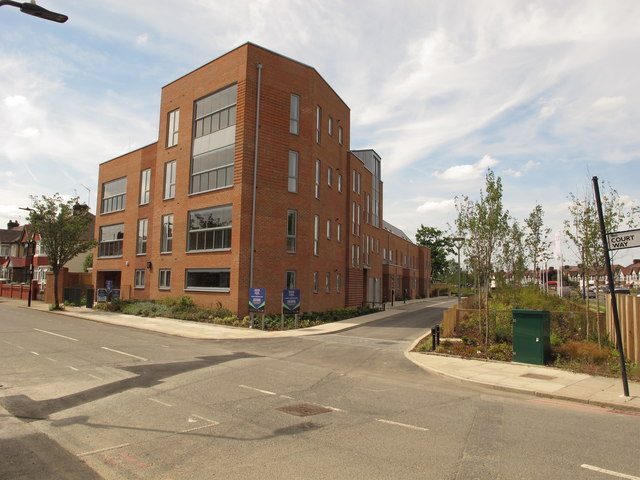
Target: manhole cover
[
  {"x": 538, "y": 376},
  {"x": 304, "y": 409}
]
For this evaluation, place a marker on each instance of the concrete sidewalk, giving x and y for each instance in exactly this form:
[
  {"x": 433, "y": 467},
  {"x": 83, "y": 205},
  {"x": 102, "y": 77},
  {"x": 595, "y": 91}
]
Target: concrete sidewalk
[{"x": 537, "y": 380}]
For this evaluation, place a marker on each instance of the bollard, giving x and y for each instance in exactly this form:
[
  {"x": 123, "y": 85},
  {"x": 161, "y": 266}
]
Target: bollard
[
  {"x": 438, "y": 335},
  {"x": 433, "y": 339}
]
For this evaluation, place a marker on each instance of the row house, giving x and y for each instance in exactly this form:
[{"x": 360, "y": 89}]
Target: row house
[{"x": 251, "y": 184}]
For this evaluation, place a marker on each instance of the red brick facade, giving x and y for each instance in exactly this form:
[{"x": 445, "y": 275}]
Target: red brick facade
[{"x": 337, "y": 257}]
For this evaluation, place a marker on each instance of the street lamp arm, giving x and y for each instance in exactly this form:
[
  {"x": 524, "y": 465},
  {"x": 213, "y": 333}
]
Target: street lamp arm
[{"x": 30, "y": 8}]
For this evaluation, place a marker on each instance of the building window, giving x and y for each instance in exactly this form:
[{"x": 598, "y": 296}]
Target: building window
[
  {"x": 340, "y": 183},
  {"x": 367, "y": 207},
  {"x": 110, "y": 244},
  {"x": 209, "y": 229},
  {"x": 330, "y": 129},
  {"x": 328, "y": 229},
  {"x": 145, "y": 186},
  {"x": 114, "y": 195},
  {"x": 294, "y": 115},
  {"x": 317, "y": 185},
  {"x": 139, "y": 279},
  {"x": 329, "y": 176},
  {"x": 166, "y": 235},
  {"x": 169, "y": 180},
  {"x": 214, "y": 141},
  {"x": 318, "y": 123},
  {"x": 208, "y": 279},
  {"x": 338, "y": 282},
  {"x": 327, "y": 283},
  {"x": 315, "y": 282},
  {"x": 339, "y": 232},
  {"x": 164, "y": 279},
  {"x": 316, "y": 235},
  {"x": 339, "y": 134},
  {"x": 293, "y": 171},
  {"x": 353, "y": 255},
  {"x": 172, "y": 128},
  {"x": 290, "y": 282},
  {"x": 141, "y": 244},
  {"x": 292, "y": 227}
]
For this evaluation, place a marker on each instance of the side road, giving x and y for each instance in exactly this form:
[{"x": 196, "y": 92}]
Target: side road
[{"x": 547, "y": 382}]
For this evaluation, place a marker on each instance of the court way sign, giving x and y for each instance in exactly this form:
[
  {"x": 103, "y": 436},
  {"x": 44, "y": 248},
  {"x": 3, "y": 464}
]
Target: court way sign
[
  {"x": 620, "y": 240},
  {"x": 257, "y": 299}
]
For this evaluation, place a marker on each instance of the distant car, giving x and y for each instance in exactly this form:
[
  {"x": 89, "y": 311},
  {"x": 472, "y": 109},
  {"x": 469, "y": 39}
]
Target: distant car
[
  {"x": 591, "y": 293},
  {"x": 622, "y": 291}
]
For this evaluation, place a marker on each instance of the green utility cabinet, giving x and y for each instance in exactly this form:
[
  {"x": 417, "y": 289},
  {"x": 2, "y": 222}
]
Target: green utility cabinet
[{"x": 531, "y": 336}]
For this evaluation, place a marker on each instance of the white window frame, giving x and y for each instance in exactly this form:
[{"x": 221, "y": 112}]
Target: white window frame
[
  {"x": 173, "y": 127},
  {"x": 145, "y": 186},
  {"x": 294, "y": 114},
  {"x": 292, "y": 233},
  {"x": 316, "y": 235},
  {"x": 317, "y": 178},
  {"x": 142, "y": 237},
  {"x": 188, "y": 271},
  {"x": 164, "y": 279},
  {"x": 169, "y": 180},
  {"x": 166, "y": 235},
  {"x": 292, "y": 184},
  {"x": 138, "y": 281}
]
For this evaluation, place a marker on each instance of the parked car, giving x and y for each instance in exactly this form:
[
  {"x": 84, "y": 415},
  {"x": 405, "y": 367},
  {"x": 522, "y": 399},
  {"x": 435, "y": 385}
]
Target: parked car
[{"x": 622, "y": 291}]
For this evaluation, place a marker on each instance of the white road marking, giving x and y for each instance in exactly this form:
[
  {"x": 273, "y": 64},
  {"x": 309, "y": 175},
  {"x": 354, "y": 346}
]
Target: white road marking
[
  {"x": 125, "y": 353},
  {"x": 56, "y": 334},
  {"x": 93, "y": 376},
  {"x": 72, "y": 368},
  {"x": 21, "y": 348},
  {"x": 161, "y": 403},
  {"x": 412, "y": 427},
  {"x": 266, "y": 392},
  {"x": 332, "y": 408},
  {"x": 286, "y": 396},
  {"x": 192, "y": 419},
  {"x": 101, "y": 450},
  {"x": 198, "y": 428},
  {"x": 201, "y": 418},
  {"x": 51, "y": 359},
  {"x": 36, "y": 353},
  {"x": 609, "y": 472}
]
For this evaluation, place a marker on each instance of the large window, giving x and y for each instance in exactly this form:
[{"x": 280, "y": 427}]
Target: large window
[
  {"x": 293, "y": 172},
  {"x": 315, "y": 282},
  {"x": 294, "y": 114},
  {"x": 208, "y": 279},
  {"x": 113, "y": 195},
  {"x": 110, "y": 244},
  {"x": 318, "y": 123},
  {"x": 172, "y": 128},
  {"x": 214, "y": 141},
  {"x": 169, "y": 180},
  {"x": 164, "y": 279},
  {"x": 166, "y": 235},
  {"x": 145, "y": 186},
  {"x": 316, "y": 235},
  {"x": 141, "y": 244},
  {"x": 139, "y": 279},
  {"x": 209, "y": 229},
  {"x": 317, "y": 186},
  {"x": 290, "y": 281},
  {"x": 292, "y": 227}
]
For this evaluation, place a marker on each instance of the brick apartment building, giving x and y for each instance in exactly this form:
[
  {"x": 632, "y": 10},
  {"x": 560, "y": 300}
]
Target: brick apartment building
[{"x": 217, "y": 206}]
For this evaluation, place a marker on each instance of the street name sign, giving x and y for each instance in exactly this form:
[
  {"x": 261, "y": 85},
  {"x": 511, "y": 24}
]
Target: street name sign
[{"x": 620, "y": 240}]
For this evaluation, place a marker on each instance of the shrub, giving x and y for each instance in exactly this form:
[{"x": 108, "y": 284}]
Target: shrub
[{"x": 584, "y": 352}]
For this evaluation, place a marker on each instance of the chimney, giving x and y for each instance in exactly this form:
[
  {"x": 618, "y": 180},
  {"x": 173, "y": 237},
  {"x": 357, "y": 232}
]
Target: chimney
[{"x": 12, "y": 224}]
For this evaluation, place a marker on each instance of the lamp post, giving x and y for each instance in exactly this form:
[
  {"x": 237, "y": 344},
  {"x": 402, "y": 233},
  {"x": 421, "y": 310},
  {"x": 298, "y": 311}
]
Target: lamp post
[
  {"x": 458, "y": 242},
  {"x": 30, "y": 8},
  {"x": 30, "y": 253}
]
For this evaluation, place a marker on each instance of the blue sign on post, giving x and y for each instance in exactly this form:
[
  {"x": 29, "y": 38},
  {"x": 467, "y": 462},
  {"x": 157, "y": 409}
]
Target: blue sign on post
[
  {"x": 257, "y": 299},
  {"x": 109, "y": 285},
  {"x": 291, "y": 301}
]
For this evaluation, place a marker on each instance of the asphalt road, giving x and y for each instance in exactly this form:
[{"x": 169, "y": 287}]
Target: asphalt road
[{"x": 87, "y": 400}]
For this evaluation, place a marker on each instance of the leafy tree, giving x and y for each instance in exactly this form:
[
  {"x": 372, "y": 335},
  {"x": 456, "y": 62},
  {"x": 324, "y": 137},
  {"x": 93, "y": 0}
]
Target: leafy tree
[
  {"x": 483, "y": 224},
  {"x": 440, "y": 246},
  {"x": 513, "y": 252},
  {"x": 88, "y": 262},
  {"x": 63, "y": 227},
  {"x": 536, "y": 238}
]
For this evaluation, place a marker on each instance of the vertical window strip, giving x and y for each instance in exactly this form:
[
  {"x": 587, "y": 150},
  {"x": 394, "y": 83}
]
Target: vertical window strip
[
  {"x": 316, "y": 235},
  {"x": 293, "y": 172},
  {"x": 292, "y": 226},
  {"x": 294, "y": 114}
]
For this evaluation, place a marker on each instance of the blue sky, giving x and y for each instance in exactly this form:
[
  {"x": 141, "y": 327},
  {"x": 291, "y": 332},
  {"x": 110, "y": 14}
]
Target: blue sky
[{"x": 542, "y": 92}]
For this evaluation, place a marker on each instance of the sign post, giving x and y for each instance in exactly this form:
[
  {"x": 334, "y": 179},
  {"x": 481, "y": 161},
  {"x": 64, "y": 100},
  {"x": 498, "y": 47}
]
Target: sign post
[
  {"x": 290, "y": 304},
  {"x": 622, "y": 240},
  {"x": 257, "y": 303}
]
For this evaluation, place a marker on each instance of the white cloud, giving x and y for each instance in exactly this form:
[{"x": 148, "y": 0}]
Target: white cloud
[
  {"x": 460, "y": 173},
  {"x": 605, "y": 104},
  {"x": 436, "y": 206},
  {"x": 142, "y": 39},
  {"x": 15, "y": 100}
]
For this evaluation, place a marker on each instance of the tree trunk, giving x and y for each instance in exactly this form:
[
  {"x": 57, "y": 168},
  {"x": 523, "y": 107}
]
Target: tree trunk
[{"x": 56, "y": 298}]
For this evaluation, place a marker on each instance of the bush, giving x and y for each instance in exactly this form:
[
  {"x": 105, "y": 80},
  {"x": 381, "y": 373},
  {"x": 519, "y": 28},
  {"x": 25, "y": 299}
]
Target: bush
[{"x": 583, "y": 352}]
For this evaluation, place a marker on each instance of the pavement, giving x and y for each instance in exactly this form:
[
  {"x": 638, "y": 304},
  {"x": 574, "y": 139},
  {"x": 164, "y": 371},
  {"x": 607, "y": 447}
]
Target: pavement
[{"x": 541, "y": 381}]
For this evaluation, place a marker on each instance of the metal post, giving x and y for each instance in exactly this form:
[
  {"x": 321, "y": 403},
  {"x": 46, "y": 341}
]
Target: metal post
[{"x": 614, "y": 302}]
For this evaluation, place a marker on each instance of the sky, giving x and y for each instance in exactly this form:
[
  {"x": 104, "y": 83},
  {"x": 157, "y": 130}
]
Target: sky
[{"x": 545, "y": 93}]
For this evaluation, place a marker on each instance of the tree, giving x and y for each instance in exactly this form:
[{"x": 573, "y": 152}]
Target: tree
[
  {"x": 536, "y": 239},
  {"x": 440, "y": 247},
  {"x": 88, "y": 262},
  {"x": 63, "y": 227},
  {"x": 513, "y": 252}
]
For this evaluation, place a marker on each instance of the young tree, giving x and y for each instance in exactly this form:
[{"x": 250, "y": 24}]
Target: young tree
[
  {"x": 440, "y": 246},
  {"x": 63, "y": 227},
  {"x": 536, "y": 239},
  {"x": 513, "y": 252}
]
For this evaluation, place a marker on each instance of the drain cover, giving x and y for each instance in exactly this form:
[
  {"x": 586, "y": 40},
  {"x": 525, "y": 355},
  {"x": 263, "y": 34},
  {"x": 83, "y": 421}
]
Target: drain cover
[
  {"x": 304, "y": 409},
  {"x": 538, "y": 376}
]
